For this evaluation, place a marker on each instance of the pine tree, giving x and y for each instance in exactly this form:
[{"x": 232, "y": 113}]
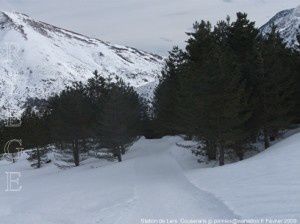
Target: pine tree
[
  {"x": 243, "y": 40},
  {"x": 276, "y": 86},
  {"x": 165, "y": 96},
  {"x": 214, "y": 89},
  {"x": 71, "y": 118},
  {"x": 222, "y": 102},
  {"x": 119, "y": 122},
  {"x": 35, "y": 134},
  {"x": 198, "y": 50}
]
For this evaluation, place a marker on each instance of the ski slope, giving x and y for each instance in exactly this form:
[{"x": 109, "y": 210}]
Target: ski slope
[{"x": 156, "y": 180}]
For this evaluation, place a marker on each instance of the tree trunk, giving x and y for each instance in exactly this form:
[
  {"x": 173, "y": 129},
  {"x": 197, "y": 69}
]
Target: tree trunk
[
  {"x": 76, "y": 152},
  {"x": 119, "y": 155},
  {"x": 84, "y": 144},
  {"x": 38, "y": 158},
  {"x": 239, "y": 151},
  {"x": 61, "y": 146},
  {"x": 211, "y": 151},
  {"x": 222, "y": 155},
  {"x": 240, "y": 155},
  {"x": 266, "y": 138},
  {"x": 123, "y": 150}
]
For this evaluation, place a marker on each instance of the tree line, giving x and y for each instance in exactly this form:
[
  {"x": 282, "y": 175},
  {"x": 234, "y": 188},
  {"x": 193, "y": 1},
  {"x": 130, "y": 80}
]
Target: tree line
[
  {"x": 230, "y": 86},
  {"x": 108, "y": 114}
]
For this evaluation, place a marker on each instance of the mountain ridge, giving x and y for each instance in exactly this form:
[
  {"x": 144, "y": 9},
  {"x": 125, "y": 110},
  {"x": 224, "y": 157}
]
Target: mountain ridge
[
  {"x": 39, "y": 60},
  {"x": 287, "y": 23}
]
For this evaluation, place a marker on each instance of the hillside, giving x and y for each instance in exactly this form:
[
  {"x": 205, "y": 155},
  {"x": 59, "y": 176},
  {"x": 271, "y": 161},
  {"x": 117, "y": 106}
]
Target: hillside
[
  {"x": 39, "y": 59},
  {"x": 288, "y": 25}
]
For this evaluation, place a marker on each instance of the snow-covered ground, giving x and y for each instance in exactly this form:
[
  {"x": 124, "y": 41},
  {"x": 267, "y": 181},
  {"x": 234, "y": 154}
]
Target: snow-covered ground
[
  {"x": 264, "y": 186},
  {"x": 156, "y": 180}
]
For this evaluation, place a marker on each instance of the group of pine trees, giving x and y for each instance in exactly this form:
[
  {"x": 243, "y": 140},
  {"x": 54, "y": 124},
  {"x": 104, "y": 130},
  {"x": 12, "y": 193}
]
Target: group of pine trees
[
  {"x": 108, "y": 114},
  {"x": 229, "y": 87}
]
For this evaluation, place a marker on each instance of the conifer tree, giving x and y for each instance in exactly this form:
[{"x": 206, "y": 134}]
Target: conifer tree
[
  {"x": 243, "y": 40},
  {"x": 165, "y": 96},
  {"x": 218, "y": 100},
  {"x": 71, "y": 118},
  {"x": 35, "y": 135},
  {"x": 119, "y": 122},
  {"x": 276, "y": 86},
  {"x": 221, "y": 102},
  {"x": 198, "y": 50}
]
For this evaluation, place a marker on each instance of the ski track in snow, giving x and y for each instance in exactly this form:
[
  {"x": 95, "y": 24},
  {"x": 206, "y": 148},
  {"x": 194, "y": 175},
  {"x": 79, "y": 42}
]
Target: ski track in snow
[
  {"x": 148, "y": 184},
  {"x": 156, "y": 180},
  {"x": 163, "y": 191}
]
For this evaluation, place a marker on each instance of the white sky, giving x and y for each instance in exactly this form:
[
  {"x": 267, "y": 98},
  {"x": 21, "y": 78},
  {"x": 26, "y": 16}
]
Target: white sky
[{"x": 151, "y": 25}]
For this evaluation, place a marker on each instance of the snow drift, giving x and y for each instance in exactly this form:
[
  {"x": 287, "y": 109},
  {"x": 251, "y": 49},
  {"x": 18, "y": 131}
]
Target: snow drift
[{"x": 264, "y": 186}]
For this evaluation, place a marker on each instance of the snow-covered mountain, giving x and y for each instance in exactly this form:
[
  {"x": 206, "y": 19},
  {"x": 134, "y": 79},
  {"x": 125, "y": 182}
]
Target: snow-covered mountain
[
  {"x": 288, "y": 24},
  {"x": 38, "y": 59}
]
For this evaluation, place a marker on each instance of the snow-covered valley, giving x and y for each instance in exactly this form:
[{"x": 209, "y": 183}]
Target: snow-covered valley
[
  {"x": 156, "y": 180},
  {"x": 76, "y": 155}
]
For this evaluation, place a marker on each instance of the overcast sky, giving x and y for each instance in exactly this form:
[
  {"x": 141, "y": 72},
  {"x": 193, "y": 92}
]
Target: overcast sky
[{"x": 151, "y": 25}]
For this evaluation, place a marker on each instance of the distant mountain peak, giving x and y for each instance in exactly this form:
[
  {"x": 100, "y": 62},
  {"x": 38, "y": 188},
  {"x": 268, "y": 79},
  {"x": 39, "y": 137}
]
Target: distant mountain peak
[
  {"x": 39, "y": 60},
  {"x": 288, "y": 25}
]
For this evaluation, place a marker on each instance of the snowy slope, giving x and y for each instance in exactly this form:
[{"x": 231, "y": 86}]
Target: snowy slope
[
  {"x": 148, "y": 184},
  {"x": 156, "y": 180},
  {"x": 264, "y": 186},
  {"x": 288, "y": 25},
  {"x": 38, "y": 59}
]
